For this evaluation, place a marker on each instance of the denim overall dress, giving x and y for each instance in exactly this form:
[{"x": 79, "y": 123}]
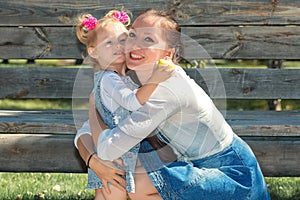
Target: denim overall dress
[{"x": 112, "y": 120}]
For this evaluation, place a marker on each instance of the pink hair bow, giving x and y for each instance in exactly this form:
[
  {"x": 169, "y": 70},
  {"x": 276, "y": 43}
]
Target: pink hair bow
[
  {"x": 89, "y": 23},
  {"x": 121, "y": 16}
]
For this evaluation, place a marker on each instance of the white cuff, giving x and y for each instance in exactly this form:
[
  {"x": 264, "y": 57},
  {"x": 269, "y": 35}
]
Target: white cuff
[{"x": 85, "y": 129}]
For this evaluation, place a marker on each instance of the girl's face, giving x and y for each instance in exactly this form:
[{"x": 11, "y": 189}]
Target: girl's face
[
  {"x": 109, "y": 49},
  {"x": 146, "y": 44}
]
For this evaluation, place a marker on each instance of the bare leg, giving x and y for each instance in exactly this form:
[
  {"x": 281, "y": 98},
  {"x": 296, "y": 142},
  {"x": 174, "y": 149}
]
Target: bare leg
[
  {"x": 116, "y": 194},
  {"x": 144, "y": 188},
  {"x": 99, "y": 194}
]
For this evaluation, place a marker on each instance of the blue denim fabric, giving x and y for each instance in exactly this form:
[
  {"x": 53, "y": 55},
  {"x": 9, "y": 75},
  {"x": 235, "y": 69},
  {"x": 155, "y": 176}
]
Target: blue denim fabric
[
  {"x": 111, "y": 120},
  {"x": 231, "y": 174}
]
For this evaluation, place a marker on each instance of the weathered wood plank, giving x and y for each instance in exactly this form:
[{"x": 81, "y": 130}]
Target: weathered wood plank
[
  {"x": 39, "y": 153},
  {"x": 244, "y": 123},
  {"x": 243, "y": 42},
  {"x": 192, "y": 12},
  {"x": 44, "y": 82},
  {"x": 246, "y": 83},
  {"x": 56, "y": 153},
  {"x": 39, "y": 42},
  {"x": 241, "y": 83},
  {"x": 47, "y": 121},
  {"x": 277, "y": 156},
  {"x": 217, "y": 42}
]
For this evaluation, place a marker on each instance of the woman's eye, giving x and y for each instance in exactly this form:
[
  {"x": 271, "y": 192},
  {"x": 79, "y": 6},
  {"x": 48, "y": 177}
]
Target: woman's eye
[
  {"x": 131, "y": 35},
  {"x": 148, "y": 39}
]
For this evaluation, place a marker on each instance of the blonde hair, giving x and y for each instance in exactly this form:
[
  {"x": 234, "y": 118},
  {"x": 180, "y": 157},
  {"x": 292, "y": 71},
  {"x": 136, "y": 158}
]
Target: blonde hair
[{"x": 89, "y": 37}]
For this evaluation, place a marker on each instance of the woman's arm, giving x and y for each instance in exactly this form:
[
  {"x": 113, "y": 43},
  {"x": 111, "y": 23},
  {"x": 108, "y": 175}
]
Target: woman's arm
[
  {"x": 106, "y": 170},
  {"x": 115, "y": 142},
  {"x": 96, "y": 123}
]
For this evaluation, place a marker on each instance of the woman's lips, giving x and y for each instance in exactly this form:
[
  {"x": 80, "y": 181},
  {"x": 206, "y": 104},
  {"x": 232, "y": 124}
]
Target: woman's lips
[{"x": 135, "y": 56}]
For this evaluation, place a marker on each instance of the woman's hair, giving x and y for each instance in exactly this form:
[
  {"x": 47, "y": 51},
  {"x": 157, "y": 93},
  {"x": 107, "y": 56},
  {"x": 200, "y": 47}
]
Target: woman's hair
[
  {"x": 173, "y": 30},
  {"x": 89, "y": 37}
]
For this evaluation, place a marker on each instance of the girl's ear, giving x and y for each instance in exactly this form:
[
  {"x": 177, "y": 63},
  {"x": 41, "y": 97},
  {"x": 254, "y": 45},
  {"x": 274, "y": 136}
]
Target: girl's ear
[{"x": 91, "y": 52}]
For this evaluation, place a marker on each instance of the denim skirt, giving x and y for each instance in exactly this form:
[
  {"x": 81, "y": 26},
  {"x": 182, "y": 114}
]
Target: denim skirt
[{"x": 231, "y": 174}]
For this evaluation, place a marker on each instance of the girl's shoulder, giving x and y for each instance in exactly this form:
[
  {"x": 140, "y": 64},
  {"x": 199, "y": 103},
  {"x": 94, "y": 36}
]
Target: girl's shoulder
[{"x": 109, "y": 75}]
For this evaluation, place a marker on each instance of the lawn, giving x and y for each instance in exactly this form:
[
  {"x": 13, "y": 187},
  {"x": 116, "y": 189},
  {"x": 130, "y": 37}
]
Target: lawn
[{"x": 67, "y": 186}]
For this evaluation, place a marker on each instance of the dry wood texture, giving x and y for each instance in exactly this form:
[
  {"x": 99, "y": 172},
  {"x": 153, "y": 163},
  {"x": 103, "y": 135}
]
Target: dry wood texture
[
  {"x": 217, "y": 42},
  {"x": 256, "y": 29},
  {"x": 237, "y": 83},
  {"x": 188, "y": 12},
  {"x": 244, "y": 123},
  {"x": 49, "y": 153}
]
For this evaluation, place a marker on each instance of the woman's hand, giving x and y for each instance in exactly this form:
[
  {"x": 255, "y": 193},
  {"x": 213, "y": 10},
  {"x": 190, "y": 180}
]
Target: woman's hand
[{"x": 108, "y": 173}]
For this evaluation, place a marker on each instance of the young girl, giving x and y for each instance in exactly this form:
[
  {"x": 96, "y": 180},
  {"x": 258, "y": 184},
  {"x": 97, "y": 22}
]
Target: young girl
[{"x": 114, "y": 94}]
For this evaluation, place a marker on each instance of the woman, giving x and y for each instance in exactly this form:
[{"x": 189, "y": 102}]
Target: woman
[{"x": 213, "y": 162}]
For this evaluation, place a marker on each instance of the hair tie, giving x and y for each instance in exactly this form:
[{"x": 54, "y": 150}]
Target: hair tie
[
  {"x": 89, "y": 23},
  {"x": 121, "y": 16}
]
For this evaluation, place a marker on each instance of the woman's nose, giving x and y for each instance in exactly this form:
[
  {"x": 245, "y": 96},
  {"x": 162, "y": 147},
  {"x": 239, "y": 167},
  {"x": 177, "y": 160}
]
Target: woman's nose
[{"x": 135, "y": 44}]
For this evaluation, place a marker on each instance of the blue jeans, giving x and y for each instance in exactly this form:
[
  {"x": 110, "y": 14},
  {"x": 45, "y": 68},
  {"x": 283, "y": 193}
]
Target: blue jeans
[{"x": 231, "y": 174}]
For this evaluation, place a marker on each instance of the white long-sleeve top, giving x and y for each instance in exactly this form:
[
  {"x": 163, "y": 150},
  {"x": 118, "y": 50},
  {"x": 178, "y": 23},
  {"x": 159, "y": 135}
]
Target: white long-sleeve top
[{"x": 183, "y": 113}]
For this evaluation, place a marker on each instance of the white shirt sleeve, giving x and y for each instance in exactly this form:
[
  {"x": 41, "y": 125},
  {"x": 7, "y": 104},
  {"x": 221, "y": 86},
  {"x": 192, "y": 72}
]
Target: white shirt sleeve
[
  {"x": 85, "y": 129},
  {"x": 115, "y": 91},
  {"x": 115, "y": 142}
]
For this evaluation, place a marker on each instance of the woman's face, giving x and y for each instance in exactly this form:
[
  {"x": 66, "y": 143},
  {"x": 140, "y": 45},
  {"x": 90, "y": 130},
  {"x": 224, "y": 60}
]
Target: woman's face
[{"x": 145, "y": 44}]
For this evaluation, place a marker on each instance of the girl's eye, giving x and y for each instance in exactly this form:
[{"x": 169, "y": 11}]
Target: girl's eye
[
  {"x": 108, "y": 43},
  {"x": 148, "y": 39},
  {"x": 122, "y": 41}
]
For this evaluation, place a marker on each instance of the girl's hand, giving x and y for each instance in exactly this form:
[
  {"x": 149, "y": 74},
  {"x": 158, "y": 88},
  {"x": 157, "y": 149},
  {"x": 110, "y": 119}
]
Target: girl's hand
[
  {"x": 161, "y": 73},
  {"x": 108, "y": 173}
]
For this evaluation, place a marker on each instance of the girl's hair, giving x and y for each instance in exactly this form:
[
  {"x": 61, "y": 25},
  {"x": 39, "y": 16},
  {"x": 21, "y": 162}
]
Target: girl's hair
[
  {"x": 173, "y": 30},
  {"x": 89, "y": 37}
]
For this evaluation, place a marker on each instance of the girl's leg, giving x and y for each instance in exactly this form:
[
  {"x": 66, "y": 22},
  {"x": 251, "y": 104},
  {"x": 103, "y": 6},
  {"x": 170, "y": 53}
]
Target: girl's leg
[
  {"x": 144, "y": 188},
  {"x": 116, "y": 194},
  {"x": 99, "y": 194}
]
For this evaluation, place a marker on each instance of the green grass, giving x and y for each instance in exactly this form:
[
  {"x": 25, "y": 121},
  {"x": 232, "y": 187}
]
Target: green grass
[
  {"x": 284, "y": 188},
  {"x": 27, "y": 186}
]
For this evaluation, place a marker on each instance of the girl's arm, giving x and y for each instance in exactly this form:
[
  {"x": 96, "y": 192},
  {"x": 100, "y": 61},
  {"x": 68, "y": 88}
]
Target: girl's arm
[{"x": 115, "y": 92}]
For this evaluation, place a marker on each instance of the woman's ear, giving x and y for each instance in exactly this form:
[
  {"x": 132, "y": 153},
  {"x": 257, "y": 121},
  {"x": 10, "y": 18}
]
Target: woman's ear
[
  {"x": 171, "y": 53},
  {"x": 91, "y": 52}
]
